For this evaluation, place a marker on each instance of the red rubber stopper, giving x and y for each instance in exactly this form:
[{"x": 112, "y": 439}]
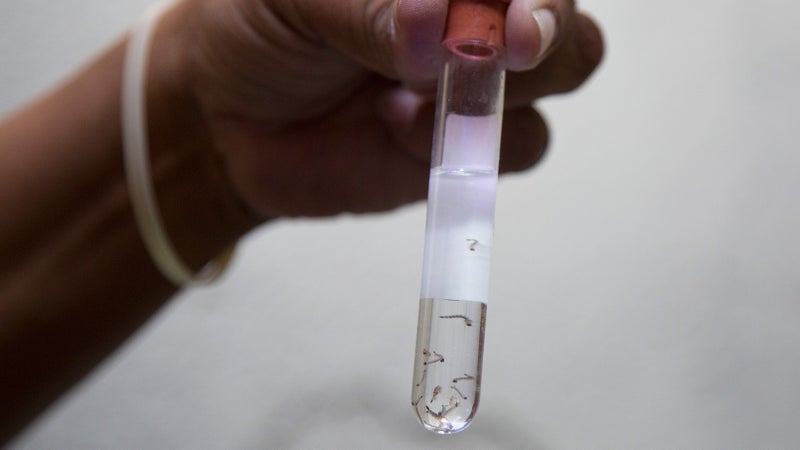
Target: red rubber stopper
[{"x": 479, "y": 20}]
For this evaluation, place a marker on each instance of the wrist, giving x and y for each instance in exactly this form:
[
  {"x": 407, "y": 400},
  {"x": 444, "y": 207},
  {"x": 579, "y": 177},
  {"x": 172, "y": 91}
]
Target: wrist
[{"x": 200, "y": 211}]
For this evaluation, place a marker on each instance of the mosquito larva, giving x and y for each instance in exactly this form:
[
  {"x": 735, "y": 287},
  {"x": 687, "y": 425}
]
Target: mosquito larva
[
  {"x": 464, "y": 378},
  {"x": 436, "y": 391},
  {"x": 461, "y": 394},
  {"x": 467, "y": 320},
  {"x": 437, "y": 358}
]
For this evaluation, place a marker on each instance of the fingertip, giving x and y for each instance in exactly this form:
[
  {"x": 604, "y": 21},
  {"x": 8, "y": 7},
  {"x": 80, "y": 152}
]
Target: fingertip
[
  {"x": 419, "y": 27},
  {"x": 409, "y": 119},
  {"x": 532, "y": 30},
  {"x": 525, "y": 140},
  {"x": 590, "y": 40},
  {"x": 398, "y": 108}
]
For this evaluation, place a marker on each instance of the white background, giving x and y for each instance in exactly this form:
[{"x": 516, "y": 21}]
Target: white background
[{"x": 646, "y": 280}]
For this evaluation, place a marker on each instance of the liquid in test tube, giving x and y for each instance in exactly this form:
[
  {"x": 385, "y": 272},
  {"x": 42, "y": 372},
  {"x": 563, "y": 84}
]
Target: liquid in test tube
[{"x": 460, "y": 218}]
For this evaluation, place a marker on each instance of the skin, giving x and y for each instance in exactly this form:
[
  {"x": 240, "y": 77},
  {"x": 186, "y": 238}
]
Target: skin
[{"x": 257, "y": 110}]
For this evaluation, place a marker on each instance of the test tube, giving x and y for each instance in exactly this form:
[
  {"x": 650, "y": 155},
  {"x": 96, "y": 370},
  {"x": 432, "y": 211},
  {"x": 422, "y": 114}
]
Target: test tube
[{"x": 460, "y": 217}]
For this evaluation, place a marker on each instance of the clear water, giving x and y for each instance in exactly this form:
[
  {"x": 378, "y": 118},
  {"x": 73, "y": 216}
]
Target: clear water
[{"x": 447, "y": 363}]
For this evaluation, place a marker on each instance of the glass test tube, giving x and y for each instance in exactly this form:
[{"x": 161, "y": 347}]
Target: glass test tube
[{"x": 460, "y": 221}]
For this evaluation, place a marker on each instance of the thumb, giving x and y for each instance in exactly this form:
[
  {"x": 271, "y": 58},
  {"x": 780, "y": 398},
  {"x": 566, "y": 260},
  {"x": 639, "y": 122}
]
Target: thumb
[{"x": 396, "y": 38}]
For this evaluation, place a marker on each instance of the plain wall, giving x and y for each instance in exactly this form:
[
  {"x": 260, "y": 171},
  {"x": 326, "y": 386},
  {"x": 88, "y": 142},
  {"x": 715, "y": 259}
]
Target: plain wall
[{"x": 646, "y": 278}]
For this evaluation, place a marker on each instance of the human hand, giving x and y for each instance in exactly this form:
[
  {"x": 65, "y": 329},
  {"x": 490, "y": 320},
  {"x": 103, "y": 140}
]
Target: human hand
[
  {"x": 256, "y": 109},
  {"x": 316, "y": 107}
]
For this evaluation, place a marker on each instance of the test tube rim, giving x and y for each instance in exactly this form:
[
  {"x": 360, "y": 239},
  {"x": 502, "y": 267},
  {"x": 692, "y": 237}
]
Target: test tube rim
[{"x": 486, "y": 51}]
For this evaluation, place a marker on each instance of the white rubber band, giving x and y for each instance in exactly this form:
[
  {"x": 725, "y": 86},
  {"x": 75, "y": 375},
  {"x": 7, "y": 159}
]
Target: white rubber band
[{"x": 137, "y": 160}]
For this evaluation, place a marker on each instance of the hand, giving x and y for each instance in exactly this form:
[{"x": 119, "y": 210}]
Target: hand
[
  {"x": 317, "y": 107},
  {"x": 304, "y": 107}
]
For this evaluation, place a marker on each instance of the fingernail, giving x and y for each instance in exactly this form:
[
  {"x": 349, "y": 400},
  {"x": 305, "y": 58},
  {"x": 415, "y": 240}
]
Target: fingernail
[{"x": 546, "y": 20}]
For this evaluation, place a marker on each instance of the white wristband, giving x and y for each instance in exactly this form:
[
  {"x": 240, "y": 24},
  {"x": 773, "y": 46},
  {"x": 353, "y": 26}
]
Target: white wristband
[{"x": 137, "y": 160}]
